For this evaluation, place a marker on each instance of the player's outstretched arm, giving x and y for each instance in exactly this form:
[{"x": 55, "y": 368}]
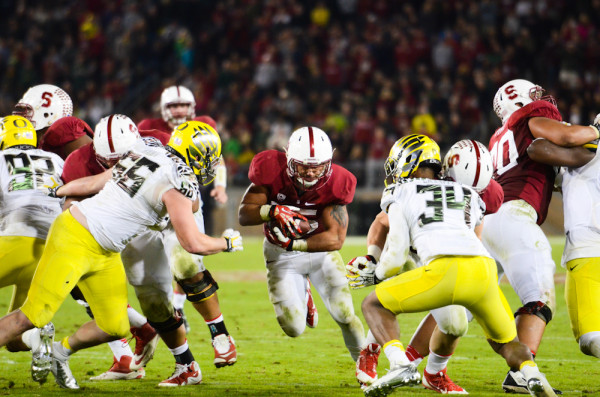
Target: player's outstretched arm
[
  {"x": 181, "y": 213},
  {"x": 544, "y": 151},
  {"x": 85, "y": 186},
  {"x": 249, "y": 211},
  {"x": 560, "y": 133}
]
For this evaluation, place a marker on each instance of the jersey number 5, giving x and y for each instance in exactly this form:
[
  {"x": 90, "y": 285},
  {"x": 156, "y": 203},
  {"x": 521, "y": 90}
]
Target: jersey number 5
[{"x": 504, "y": 153}]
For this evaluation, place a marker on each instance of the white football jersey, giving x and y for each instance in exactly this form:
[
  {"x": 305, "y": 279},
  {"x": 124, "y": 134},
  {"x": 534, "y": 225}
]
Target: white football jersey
[
  {"x": 434, "y": 217},
  {"x": 131, "y": 201},
  {"x": 25, "y": 207},
  {"x": 581, "y": 203}
]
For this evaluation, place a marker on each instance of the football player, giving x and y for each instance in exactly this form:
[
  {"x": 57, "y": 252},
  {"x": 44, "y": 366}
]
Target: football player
[
  {"x": 437, "y": 218},
  {"x": 581, "y": 256},
  {"x": 50, "y": 109},
  {"x": 303, "y": 184},
  {"x": 467, "y": 162},
  {"x": 177, "y": 105},
  {"x": 145, "y": 186},
  {"x": 513, "y": 235},
  {"x": 113, "y": 137},
  {"x": 26, "y": 213}
]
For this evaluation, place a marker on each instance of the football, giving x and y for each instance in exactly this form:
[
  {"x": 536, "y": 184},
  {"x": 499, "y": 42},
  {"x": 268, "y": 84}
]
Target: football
[{"x": 303, "y": 225}]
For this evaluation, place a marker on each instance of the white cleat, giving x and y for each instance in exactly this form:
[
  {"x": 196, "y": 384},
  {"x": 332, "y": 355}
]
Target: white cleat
[
  {"x": 540, "y": 387},
  {"x": 41, "y": 356},
  {"x": 398, "y": 376}
]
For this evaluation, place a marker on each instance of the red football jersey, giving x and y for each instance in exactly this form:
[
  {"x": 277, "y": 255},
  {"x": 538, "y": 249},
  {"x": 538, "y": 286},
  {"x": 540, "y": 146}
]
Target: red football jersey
[
  {"x": 154, "y": 124},
  {"x": 493, "y": 197},
  {"x": 82, "y": 162},
  {"x": 269, "y": 169},
  {"x": 520, "y": 177},
  {"x": 63, "y": 131}
]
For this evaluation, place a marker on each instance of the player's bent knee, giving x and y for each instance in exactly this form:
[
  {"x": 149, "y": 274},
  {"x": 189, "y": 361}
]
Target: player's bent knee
[
  {"x": 292, "y": 329},
  {"x": 589, "y": 344},
  {"x": 171, "y": 324},
  {"x": 200, "y": 290},
  {"x": 538, "y": 308}
]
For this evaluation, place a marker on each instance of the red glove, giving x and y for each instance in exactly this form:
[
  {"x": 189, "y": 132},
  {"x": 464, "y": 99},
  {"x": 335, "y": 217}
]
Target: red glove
[
  {"x": 280, "y": 239},
  {"x": 286, "y": 215}
]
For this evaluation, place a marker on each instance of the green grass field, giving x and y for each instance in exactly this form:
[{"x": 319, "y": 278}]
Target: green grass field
[{"x": 314, "y": 364}]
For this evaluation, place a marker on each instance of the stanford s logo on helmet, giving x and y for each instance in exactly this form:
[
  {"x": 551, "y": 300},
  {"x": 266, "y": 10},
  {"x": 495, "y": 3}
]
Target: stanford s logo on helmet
[
  {"x": 515, "y": 94},
  {"x": 114, "y": 136},
  {"x": 408, "y": 154},
  {"x": 44, "y": 104},
  {"x": 309, "y": 147},
  {"x": 470, "y": 163}
]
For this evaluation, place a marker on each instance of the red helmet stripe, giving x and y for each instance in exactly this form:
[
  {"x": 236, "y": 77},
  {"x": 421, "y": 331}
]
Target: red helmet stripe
[
  {"x": 178, "y": 92},
  {"x": 109, "y": 134},
  {"x": 478, "y": 167},
  {"x": 311, "y": 141}
]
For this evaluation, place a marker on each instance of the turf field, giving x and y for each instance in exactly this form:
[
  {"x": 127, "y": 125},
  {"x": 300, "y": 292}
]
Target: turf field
[{"x": 315, "y": 364}]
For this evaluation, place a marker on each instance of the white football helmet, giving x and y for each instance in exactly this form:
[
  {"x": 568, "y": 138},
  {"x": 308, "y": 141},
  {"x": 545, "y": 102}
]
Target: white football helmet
[
  {"x": 114, "y": 136},
  {"x": 515, "y": 94},
  {"x": 44, "y": 104},
  {"x": 310, "y": 147},
  {"x": 177, "y": 94},
  {"x": 470, "y": 163}
]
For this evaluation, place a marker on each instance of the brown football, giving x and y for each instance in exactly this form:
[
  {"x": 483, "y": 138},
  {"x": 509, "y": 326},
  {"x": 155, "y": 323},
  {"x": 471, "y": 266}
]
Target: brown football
[{"x": 303, "y": 225}]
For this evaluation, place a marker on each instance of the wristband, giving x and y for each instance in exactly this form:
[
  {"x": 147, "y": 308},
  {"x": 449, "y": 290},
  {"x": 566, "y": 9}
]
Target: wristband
[
  {"x": 221, "y": 177},
  {"x": 264, "y": 212},
  {"x": 374, "y": 251},
  {"x": 597, "y": 132},
  {"x": 299, "y": 245}
]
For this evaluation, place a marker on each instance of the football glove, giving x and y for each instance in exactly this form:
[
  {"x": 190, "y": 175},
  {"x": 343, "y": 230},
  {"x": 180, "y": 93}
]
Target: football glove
[
  {"x": 281, "y": 239},
  {"x": 233, "y": 239},
  {"x": 286, "y": 216},
  {"x": 360, "y": 272},
  {"x": 53, "y": 189},
  {"x": 596, "y": 125}
]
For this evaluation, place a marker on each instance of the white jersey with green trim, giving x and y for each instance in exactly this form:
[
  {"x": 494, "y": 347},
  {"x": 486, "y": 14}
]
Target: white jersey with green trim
[
  {"x": 131, "y": 201},
  {"x": 581, "y": 204},
  {"x": 25, "y": 207},
  {"x": 435, "y": 217}
]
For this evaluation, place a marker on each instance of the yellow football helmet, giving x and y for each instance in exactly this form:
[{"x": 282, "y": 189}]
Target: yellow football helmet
[
  {"x": 408, "y": 153},
  {"x": 16, "y": 131},
  {"x": 200, "y": 146}
]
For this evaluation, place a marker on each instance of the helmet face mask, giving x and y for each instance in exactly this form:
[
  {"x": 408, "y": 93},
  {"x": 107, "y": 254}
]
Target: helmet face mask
[
  {"x": 309, "y": 155},
  {"x": 44, "y": 104},
  {"x": 200, "y": 146},
  {"x": 16, "y": 131},
  {"x": 470, "y": 163},
  {"x": 177, "y": 105},
  {"x": 515, "y": 94},
  {"x": 408, "y": 154},
  {"x": 114, "y": 136}
]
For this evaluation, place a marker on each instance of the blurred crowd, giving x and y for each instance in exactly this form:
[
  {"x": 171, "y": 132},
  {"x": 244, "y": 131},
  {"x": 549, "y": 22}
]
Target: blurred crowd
[{"x": 365, "y": 71}]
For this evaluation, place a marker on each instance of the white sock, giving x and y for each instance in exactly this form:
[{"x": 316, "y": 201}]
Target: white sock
[
  {"x": 180, "y": 349},
  {"x": 394, "y": 351},
  {"x": 60, "y": 351},
  {"x": 135, "y": 318},
  {"x": 178, "y": 300},
  {"x": 436, "y": 363},
  {"x": 529, "y": 369},
  {"x": 31, "y": 338},
  {"x": 369, "y": 339},
  {"x": 215, "y": 320},
  {"x": 120, "y": 348}
]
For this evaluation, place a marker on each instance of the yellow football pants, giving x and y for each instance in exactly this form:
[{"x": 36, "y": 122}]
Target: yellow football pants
[
  {"x": 73, "y": 257},
  {"x": 469, "y": 281},
  {"x": 582, "y": 293}
]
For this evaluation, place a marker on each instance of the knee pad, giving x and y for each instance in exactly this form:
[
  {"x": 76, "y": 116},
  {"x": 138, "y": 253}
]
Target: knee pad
[
  {"x": 201, "y": 290},
  {"x": 174, "y": 322},
  {"x": 589, "y": 344},
  {"x": 538, "y": 308},
  {"x": 452, "y": 320}
]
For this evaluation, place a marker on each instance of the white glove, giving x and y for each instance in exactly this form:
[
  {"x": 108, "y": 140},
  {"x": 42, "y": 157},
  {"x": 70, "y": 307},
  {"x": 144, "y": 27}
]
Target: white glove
[
  {"x": 360, "y": 272},
  {"x": 233, "y": 239}
]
